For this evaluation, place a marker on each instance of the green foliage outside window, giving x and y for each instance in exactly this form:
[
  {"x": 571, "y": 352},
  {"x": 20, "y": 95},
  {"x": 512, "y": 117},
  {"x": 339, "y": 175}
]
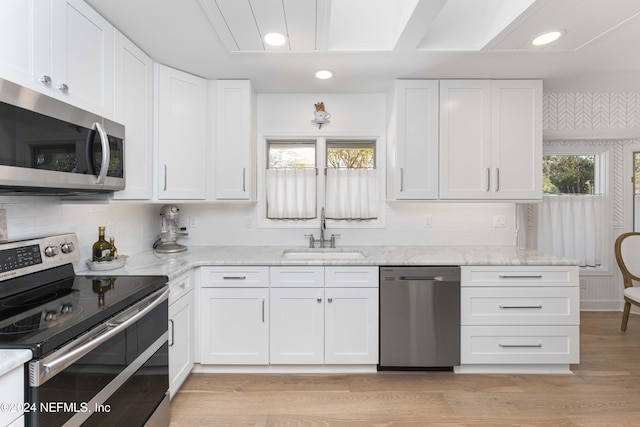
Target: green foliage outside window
[{"x": 569, "y": 174}]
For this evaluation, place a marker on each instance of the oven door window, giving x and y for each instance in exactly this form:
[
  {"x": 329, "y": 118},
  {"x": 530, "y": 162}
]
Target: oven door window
[{"x": 127, "y": 398}]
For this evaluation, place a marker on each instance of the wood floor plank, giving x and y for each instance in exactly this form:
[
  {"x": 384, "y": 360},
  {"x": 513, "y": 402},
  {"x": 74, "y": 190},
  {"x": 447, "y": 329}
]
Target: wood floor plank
[{"x": 603, "y": 391}]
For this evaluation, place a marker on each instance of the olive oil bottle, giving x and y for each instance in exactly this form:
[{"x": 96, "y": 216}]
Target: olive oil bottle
[
  {"x": 113, "y": 252},
  {"x": 101, "y": 248}
]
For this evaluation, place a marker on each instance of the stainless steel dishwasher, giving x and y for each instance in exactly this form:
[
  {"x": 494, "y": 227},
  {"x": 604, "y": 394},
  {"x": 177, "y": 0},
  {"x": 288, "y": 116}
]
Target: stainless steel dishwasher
[{"x": 419, "y": 318}]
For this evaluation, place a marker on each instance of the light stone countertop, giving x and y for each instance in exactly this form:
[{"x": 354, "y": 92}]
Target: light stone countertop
[
  {"x": 11, "y": 359},
  {"x": 149, "y": 263}
]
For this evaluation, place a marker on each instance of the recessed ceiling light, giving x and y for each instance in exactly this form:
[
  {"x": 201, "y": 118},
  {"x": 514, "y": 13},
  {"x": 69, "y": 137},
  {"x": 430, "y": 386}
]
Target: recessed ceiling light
[
  {"x": 275, "y": 39},
  {"x": 546, "y": 38},
  {"x": 324, "y": 74}
]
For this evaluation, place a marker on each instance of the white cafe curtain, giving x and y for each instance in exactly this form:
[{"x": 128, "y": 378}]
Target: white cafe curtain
[
  {"x": 351, "y": 193},
  {"x": 571, "y": 226},
  {"x": 291, "y": 193}
]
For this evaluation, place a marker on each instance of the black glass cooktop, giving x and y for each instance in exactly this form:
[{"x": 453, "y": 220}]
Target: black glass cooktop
[{"x": 45, "y": 317}]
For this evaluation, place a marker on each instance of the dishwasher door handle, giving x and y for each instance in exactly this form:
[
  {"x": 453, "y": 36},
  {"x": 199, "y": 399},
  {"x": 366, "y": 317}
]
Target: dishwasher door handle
[{"x": 423, "y": 278}]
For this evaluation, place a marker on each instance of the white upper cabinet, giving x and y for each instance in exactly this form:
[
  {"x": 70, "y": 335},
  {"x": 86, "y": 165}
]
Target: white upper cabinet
[
  {"x": 134, "y": 109},
  {"x": 25, "y": 42},
  {"x": 413, "y": 141},
  {"x": 491, "y": 139},
  {"x": 82, "y": 57},
  {"x": 235, "y": 146},
  {"x": 181, "y": 103},
  {"x": 62, "y": 48}
]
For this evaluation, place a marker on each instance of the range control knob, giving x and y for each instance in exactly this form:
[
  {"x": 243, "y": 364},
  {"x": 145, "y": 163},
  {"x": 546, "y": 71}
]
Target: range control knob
[
  {"x": 67, "y": 247},
  {"x": 51, "y": 251},
  {"x": 66, "y": 308},
  {"x": 50, "y": 315}
]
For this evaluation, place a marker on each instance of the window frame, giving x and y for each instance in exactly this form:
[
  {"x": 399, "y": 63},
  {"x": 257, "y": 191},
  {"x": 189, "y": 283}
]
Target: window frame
[
  {"x": 603, "y": 186},
  {"x": 321, "y": 163}
]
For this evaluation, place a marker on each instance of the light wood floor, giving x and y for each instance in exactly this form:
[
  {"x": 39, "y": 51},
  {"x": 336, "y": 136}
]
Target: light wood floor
[{"x": 603, "y": 391}]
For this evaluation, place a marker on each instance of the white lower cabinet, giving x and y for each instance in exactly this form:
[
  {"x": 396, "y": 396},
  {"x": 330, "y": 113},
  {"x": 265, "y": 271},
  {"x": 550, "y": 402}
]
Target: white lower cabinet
[
  {"x": 181, "y": 328},
  {"x": 12, "y": 393},
  {"x": 297, "y": 326},
  {"x": 288, "y": 315},
  {"x": 329, "y": 317},
  {"x": 517, "y": 318},
  {"x": 234, "y": 315},
  {"x": 351, "y": 326}
]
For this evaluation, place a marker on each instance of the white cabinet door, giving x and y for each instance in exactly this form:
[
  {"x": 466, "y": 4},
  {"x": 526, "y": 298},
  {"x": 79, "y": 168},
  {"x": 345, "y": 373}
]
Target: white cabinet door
[
  {"x": 351, "y": 326},
  {"x": 491, "y": 139},
  {"x": 465, "y": 139},
  {"x": 82, "y": 57},
  {"x": 414, "y": 134},
  {"x": 25, "y": 48},
  {"x": 181, "y": 341},
  {"x": 134, "y": 109},
  {"x": 234, "y": 140},
  {"x": 297, "y": 326},
  {"x": 181, "y": 102},
  {"x": 516, "y": 150},
  {"x": 12, "y": 393},
  {"x": 235, "y": 326}
]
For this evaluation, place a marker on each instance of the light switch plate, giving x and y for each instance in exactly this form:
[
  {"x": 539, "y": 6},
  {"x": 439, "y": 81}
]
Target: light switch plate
[{"x": 3, "y": 225}]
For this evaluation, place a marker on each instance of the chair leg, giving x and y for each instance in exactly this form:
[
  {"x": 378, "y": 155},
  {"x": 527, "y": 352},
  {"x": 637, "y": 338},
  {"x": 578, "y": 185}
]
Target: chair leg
[{"x": 625, "y": 316}]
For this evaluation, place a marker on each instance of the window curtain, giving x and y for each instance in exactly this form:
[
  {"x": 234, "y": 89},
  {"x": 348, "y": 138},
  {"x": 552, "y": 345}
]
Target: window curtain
[
  {"x": 291, "y": 193},
  {"x": 571, "y": 226},
  {"x": 351, "y": 194}
]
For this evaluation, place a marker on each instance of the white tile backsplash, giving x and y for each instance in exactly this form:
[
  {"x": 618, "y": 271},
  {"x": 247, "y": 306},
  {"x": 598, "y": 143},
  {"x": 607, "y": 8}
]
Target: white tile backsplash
[{"x": 135, "y": 225}]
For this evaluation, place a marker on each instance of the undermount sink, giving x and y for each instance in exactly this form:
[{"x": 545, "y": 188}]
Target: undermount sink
[{"x": 322, "y": 254}]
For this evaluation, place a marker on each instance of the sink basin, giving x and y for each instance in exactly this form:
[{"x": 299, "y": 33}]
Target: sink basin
[{"x": 321, "y": 254}]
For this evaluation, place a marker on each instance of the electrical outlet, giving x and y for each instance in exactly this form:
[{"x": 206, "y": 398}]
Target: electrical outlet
[
  {"x": 499, "y": 221},
  {"x": 248, "y": 221},
  {"x": 428, "y": 221},
  {"x": 583, "y": 284},
  {"x": 110, "y": 230},
  {"x": 193, "y": 221}
]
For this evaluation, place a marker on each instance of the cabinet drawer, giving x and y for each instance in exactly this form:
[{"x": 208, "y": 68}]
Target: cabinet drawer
[
  {"x": 297, "y": 277},
  {"x": 519, "y": 276},
  {"x": 520, "y": 306},
  {"x": 179, "y": 287},
  {"x": 234, "y": 277},
  {"x": 351, "y": 277},
  {"x": 519, "y": 344}
]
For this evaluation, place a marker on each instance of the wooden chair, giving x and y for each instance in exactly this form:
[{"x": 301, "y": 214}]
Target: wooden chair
[{"x": 627, "y": 250}]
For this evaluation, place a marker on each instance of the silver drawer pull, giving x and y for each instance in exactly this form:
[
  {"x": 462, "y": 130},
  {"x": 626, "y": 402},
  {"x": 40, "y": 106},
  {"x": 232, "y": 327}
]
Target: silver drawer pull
[
  {"x": 519, "y": 306},
  {"x": 529, "y": 276},
  {"x": 520, "y": 345},
  {"x": 234, "y": 277}
]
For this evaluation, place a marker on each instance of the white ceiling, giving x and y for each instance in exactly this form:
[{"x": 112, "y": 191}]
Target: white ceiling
[{"x": 369, "y": 43}]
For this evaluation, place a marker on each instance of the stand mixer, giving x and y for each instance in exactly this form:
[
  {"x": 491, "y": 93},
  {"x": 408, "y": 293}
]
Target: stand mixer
[{"x": 166, "y": 243}]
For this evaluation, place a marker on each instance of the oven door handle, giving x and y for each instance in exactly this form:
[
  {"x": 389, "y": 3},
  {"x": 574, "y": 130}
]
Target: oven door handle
[{"x": 41, "y": 371}]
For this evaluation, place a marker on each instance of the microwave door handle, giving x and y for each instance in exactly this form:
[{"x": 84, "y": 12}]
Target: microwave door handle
[
  {"x": 106, "y": 153},
  {"x": 88, "y": 151}
]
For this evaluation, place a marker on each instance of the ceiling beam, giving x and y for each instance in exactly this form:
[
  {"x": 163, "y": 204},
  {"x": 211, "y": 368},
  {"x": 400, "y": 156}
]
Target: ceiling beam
[{"x": 425, "y": 12}]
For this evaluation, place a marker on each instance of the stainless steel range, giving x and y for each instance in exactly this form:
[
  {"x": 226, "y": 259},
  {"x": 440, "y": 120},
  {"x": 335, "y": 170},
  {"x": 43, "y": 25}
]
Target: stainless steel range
[{"x": 99, "y": 343}]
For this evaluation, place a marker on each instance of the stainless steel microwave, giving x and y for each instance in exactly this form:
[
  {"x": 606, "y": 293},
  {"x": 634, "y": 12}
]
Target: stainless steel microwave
[{"x": 50, "y": 147}]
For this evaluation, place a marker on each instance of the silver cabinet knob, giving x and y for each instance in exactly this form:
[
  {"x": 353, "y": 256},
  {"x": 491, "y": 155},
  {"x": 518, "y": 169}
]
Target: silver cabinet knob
[
  {"x": 45, "y": 79},
  {"x": 63, "y": 87},
  {"x": 319, "y": 299},
  {"x": 330, "y": 299}
]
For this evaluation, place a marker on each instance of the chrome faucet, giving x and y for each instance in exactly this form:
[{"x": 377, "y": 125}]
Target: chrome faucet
[
  {"x": 323, "y": 227},
  {"x": 322, "y": 241}
]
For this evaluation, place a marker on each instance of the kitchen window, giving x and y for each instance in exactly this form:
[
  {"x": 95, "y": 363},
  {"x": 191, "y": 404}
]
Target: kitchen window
[
  {"x": 301, "y": 176},
  {"x": 571, "y": 219}
]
